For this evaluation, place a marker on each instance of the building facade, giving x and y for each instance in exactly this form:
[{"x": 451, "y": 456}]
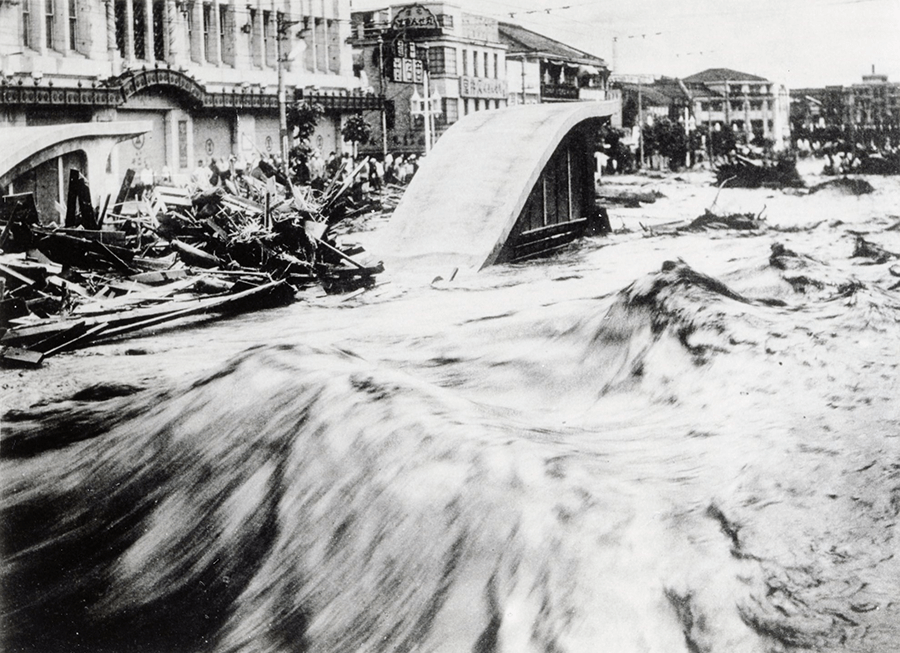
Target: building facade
[
  {"x": 408, "y": 52},
  {"x": 722, "y": 98},
  {"x": 872, "y": 104},
  {"x": 541, "y": 69},
  {"x": 204, "y": 73}
]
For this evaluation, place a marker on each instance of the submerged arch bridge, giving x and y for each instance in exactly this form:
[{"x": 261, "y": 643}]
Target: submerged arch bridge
[{"x": 500, "y": 186}]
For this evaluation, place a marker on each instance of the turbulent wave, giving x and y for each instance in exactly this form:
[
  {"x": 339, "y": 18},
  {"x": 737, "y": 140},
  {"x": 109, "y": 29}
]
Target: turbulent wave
[{"x": 680, "y": 461}]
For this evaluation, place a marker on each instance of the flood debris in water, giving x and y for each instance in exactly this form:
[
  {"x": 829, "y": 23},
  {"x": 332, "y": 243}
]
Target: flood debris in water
[
  {"x": 845, "y": 186},
  {"x": 159, "y": 254},
  {"x": 745, "y": 172}
]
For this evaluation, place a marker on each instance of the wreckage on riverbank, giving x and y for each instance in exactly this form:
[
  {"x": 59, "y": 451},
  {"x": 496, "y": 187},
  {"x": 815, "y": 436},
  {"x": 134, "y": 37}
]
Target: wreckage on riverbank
[{"x": 165, "y": 254}]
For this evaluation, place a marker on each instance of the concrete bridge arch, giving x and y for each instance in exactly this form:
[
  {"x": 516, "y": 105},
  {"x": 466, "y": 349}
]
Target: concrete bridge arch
[{"x": 471, "y": 190}]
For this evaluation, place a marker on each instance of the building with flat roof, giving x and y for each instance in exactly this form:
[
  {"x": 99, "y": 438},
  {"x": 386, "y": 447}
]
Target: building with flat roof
[
  {"x": 403, "y": 48},
  {"x": 203, "y": 73}
]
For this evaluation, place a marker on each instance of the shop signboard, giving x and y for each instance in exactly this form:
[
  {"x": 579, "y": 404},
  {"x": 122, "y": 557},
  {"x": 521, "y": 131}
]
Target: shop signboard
[{"x": 407, "y": 66}]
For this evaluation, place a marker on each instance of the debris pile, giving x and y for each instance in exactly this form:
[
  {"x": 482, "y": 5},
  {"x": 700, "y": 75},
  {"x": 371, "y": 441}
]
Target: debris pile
[
  {"x": 845, "y": 186},
  {"x": 709, "y": 221},
  {"x": 744, "y": 172},
  {"x": 169, "y": 254},
  {"x": 627, "y": 197}
]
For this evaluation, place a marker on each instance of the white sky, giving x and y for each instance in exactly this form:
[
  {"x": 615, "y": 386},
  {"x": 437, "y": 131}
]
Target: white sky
[{"x": 794, "y": 42}]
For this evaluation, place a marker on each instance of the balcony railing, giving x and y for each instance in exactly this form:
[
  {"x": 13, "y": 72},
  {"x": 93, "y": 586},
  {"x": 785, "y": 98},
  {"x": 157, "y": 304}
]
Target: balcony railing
[{"x": 559, "y": 91}]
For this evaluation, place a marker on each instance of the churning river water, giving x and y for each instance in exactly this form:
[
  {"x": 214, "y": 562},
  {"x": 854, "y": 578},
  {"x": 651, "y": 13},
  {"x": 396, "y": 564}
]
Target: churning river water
[{"x": 650, "y": 442}]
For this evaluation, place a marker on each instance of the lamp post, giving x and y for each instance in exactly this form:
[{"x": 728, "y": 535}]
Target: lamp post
[{"x": 427, "y": 107}]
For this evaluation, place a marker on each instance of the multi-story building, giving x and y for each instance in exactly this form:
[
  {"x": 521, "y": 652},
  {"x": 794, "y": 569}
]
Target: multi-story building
[
  {"x": 542, "y": 69},
  {"x": 870, "y": 107},
  {"x": 203, "y": 73},
  {"x": 816, "y": 108},
  {"x": 872, "y": 104},
  {"x": 724, "y": 98},
  {"x": 409, "y": 51}
]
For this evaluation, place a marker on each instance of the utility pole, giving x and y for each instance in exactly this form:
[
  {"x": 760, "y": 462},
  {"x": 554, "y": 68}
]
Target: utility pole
[
  {"x": 281, "y": 28},
  {"x": 384, "y": 138},
  {"x": 641, "y": 118},
  {"x": 427, "y": 110}
]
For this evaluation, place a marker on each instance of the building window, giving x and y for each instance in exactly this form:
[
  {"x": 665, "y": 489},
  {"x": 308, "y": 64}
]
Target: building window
[
  {"x": 441, "y": 61},
  {"x": 496, "y": 66},
  {"x": 267, "y": 34},
  {"x": 207, "y": 26},
  {"x": 190, "y": 30},
  {"x": 474, "y": 63},
  {"x": 223, "y": 29},
  {"x": 486, "y": 64},
  {"x": 121, "y": 31},
  {"x": 465, "y": 62},
  {"x": 140, "y": 30},
  {"x": 48, "y": 21},
  {"x": 255, "y": 55},
  {"x": 26, "y": 24},
  {"x": 737, "y": 106},
  {"x": 445, "y": 21},
  {"x": 451, "y": 109},
  {"x": 159, "y": 30},
  {"x": 73, "y": 24}
]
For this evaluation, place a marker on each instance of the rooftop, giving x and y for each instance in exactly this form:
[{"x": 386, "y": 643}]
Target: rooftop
[
  {"x": 712, "y": 75},
  {"x": 523, "y": 41}
]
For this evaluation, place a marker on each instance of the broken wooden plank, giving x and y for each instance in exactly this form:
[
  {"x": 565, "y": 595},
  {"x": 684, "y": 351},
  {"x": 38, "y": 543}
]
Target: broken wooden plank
[
  {"x": 123, "y": 190},
  {"x": 9, "y": 273},
  {"x": 61, "y": 336},
  {"x": 160, "y": 276},
  {"x": 196, "y": 256},
  {"x": 105, "y": 236},
  {"x": 18, "y": 357},
  {"x": 78, "y": 340},
  {"x": 202, "y": 306}
]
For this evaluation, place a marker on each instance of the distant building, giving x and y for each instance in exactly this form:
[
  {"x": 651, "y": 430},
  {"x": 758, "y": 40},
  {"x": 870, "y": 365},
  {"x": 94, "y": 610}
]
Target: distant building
[
  {"x": 541, "y": 69},
  {"x": 204, "y": 73},
  {"x": 871, "y": 106},
  {"x": 474, "y": 63},
  {"x": 718, "y": 98},
  {"x": 817, "y": 108},
  {"x": 725, "y": 98},
  {"x": 465, "y": 70},
  {"x": 649, "y": 99}
]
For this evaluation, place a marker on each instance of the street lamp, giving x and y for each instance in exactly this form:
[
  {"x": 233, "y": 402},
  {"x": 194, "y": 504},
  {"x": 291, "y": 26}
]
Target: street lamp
[{"x": 427, "y": 107}]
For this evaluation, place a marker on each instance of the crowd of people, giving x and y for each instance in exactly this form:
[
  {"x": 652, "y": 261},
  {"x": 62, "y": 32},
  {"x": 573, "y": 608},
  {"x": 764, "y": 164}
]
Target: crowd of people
[{"x": 369, "y": 173}]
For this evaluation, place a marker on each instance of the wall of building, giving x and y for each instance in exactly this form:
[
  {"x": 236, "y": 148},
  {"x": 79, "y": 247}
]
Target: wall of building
[
  {"x": 226, "y": 47},
  {"x": 467, "y": 70}
]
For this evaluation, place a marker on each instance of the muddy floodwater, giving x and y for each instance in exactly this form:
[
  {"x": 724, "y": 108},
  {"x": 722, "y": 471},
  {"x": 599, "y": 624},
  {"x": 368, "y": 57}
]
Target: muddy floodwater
[{"x": 653, "y": 441}]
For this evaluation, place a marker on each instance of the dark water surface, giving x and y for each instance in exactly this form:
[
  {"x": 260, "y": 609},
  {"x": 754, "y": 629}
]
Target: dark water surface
[{"x": 649, "y": 443}]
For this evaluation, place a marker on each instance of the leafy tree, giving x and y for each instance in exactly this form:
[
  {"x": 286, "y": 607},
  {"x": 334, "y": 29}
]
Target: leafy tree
[
  {"x": 668, "y": 139},
  {"x": 302, "y": 118},
  {"x": 356, "y": 131}
]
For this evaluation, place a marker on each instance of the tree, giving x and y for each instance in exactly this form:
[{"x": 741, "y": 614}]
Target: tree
[
  {"x": 302, "y": 118},
  {"x": 668, "y": 139},
  {"x": 356, "y": 131}
]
